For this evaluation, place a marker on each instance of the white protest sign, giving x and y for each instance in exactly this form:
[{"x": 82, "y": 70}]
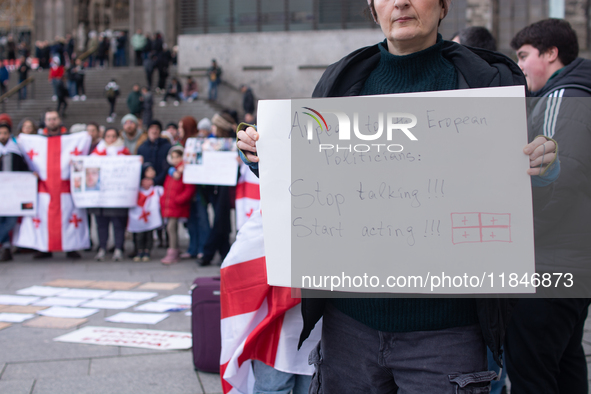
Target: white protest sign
[
  {"x": 105, "y": 181},
  {"x": 149, "y": 339},
  {"x": 210, "y": 161},
  {"x": 445, "y": 197},
  {"x": 18, "y": 194}
]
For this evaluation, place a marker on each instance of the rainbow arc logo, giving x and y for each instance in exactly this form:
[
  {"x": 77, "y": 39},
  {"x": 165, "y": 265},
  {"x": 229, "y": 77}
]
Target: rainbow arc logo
[{"x": 315, "y": 118}]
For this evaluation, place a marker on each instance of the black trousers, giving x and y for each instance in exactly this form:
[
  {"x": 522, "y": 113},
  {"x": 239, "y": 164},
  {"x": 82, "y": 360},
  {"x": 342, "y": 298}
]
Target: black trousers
[
  {"x": 544, "y": 354},
  {"x": 144, "y": 241},
  {"x": 112, "y": 105},
  {"x": 219, "y": 237}
]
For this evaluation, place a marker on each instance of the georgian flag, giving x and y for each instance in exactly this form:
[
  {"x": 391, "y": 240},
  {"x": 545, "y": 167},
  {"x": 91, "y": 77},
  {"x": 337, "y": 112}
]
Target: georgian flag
[
  {"x": 247, "y": 195},
  {"x": 146, "y": 215},
  {"x": 259, "y": 322},
  {"x": 58, "y": 225}
]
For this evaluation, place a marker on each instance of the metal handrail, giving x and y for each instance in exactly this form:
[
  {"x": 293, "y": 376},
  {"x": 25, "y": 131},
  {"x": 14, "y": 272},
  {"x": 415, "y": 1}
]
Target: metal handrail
[{"x": 14, "y": 91}]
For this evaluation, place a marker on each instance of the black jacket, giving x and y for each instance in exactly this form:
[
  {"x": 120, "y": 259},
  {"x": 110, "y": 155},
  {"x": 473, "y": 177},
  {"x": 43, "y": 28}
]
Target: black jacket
[
  {"x": 248, "y": 102},
  {"x": 477, "y": 68},
  {"x": 562, "y": 110},
  {"x": 11, "y": 160},
  {"x": 155, "y": 153}
]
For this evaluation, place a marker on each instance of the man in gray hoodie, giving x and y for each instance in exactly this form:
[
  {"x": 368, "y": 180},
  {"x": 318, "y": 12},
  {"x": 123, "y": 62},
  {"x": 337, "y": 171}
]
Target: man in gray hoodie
[{"x": 133, "y": 135}]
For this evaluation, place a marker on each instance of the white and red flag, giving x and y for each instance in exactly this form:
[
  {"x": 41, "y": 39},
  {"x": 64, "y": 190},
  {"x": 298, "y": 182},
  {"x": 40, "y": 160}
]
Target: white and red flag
[
  {"x": 248, "y": 196},
  {"x": 58, "y": 225},
  {"x": 146, "y": 216},
  {"x": 259, "y": 322}
]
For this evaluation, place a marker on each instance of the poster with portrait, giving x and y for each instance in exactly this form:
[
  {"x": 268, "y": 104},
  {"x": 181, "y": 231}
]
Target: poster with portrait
[
  {"x": 211, "y": 161},
  {"x": 105, "y": 181}
]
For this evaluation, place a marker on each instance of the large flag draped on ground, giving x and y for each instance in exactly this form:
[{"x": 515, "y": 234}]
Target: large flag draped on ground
[
  {"x": 259, "y": 322},
  {"x": 59, "y": 225},
  {"x": 247, "y": 195}
]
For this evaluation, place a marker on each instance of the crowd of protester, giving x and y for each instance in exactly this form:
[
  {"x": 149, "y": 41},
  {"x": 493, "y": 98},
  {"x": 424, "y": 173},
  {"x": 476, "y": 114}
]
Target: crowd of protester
[{"x": 161, "y": 149}]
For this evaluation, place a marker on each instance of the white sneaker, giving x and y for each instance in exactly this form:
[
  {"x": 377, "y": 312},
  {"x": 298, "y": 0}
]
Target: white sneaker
[
  {"x": 190, "y": 100},
  {"x": 118, "y": 255},
  {"x": 176, "y": 103},
  {"x": 109, "y": 119},
  {"x": 83, "y": 97},
  {"x": 53, "y": 98},
  {"x": 76, "y": 98},
  {"x": 100, "y": 256},
  {"x": 163, "y": 104}
]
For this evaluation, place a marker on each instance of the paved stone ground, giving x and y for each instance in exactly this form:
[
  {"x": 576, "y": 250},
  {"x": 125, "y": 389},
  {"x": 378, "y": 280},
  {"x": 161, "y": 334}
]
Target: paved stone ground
[{"x": 32, "y": 363}]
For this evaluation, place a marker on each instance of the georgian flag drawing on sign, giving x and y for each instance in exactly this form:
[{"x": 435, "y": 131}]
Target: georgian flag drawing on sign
[
  {"x": 146, "y": 216},
  {"x": 248, "y": 196},
  {"x": 259, "y": 322},
  {"x": 58, "y": 225}
]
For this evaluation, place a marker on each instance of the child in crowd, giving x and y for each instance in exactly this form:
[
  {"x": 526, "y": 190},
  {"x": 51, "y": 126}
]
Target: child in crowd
[
  {"x": 11, "y": 159},
  {"x": 110, "y": 145},
  {"x": 144, "y": 218},
  {"x": 175, "y": 203}
]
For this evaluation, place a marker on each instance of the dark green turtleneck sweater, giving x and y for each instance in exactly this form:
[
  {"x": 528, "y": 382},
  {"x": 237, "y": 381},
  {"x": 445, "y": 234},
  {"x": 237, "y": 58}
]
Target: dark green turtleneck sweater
[{"x": 422, "y": 71}]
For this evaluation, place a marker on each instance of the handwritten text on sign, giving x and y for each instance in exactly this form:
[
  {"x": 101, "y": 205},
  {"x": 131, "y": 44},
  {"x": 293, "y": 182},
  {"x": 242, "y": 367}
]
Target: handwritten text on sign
[
  {"x": 380, "y": 185},
  {"x": 105, "y": 181},
  {"x": 149, "y": 339}
]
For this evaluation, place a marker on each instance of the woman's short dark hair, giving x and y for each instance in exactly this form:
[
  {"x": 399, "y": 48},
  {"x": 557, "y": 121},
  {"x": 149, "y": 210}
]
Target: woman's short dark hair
[
  {"x": 477, "y": 37},
  {"x": 544, "y": 35},
  {"x": 109, "y": 128}
]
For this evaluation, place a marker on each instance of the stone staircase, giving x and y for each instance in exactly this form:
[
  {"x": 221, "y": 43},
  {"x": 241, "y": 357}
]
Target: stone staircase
[{"x": 96, "y": 107}]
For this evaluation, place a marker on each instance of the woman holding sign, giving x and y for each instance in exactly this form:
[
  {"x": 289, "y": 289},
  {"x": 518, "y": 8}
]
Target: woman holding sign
[
  {"x": 422, "y": 345},
  {"x": 110, "y": 145}
]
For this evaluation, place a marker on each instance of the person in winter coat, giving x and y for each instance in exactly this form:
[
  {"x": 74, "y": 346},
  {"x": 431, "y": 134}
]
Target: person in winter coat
[
  {"x": 543, "y": 346},
  {"x": 112, "y": 92},
  {"x": 134, "y": 101},
  {"x": 174, "y": 90},
  {"x": 133, "y": 135},
  {"x": 23, "y": 73},
  {"x": 56, "y": 72},
  {"x": 11, "y": 159},
  {"x": 406, "y": 344},
  {"x": 111, "y": 145},
  {"x": 248, "y": 102},
  {"x": 175, "y": 203},
  {"x": 4, "y": 77},
  {"x": 155, "y": 150},
  {"x": 147, "y": 105},
  {"x": 62, "y": 95},
  {"x": 102, "y": 52}
]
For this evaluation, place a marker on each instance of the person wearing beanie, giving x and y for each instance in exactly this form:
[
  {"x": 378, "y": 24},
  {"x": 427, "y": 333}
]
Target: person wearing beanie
[
  {"x": 133, "y": 135},
  {"x": 223, "y": 126},
  {"x": 11, "y": 159},
  {"x": 204, "y": 128},
  {"x": 175, "y": 203}
]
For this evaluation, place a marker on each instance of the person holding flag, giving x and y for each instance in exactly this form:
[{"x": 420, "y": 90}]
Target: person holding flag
[
  {"x": 11, "y": 159},
  {"x": 58, "y": 225}
]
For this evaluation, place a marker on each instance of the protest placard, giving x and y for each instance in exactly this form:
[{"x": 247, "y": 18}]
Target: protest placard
[
  {"x": 149, "y": 339},
  {"x": 210, "y": 161},
  {"x": 105, "y": 181},
  {"x": 397, "y": 194},
  {"x": 18, "y": 194}
]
